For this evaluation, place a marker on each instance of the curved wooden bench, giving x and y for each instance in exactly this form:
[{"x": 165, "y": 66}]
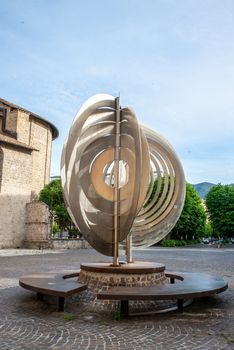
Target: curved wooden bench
[
  {"x": 191, "y": 285},
  {"x": 52, "y": 284}
]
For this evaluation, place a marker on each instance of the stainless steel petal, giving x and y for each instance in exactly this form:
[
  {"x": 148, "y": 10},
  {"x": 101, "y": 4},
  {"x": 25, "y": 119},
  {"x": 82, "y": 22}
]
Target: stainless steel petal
[{"x": 108, "y": 177}]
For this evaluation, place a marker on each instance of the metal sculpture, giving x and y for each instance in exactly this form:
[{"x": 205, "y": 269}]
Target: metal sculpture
[{"x": 121, "y": 180}]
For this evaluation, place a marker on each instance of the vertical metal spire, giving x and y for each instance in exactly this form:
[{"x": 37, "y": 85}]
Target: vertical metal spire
[
  {"x": 129, "y": 248},
  {"x": 116, "y": 184}
]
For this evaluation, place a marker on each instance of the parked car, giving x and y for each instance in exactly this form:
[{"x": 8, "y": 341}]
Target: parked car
[{"x": 217, "y": 241}]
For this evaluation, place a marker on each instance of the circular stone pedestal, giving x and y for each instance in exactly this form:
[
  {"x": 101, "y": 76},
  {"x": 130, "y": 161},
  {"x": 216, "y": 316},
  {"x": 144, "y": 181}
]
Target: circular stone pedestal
[{"x": 101, "y": 275}]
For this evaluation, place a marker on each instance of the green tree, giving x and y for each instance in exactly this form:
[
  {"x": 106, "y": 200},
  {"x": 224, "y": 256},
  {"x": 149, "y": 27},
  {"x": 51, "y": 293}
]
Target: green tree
[
  {"x": 220, "y": 205},
  {"x": 191, "y": 224},
  {"x": 52, "y": 195}
]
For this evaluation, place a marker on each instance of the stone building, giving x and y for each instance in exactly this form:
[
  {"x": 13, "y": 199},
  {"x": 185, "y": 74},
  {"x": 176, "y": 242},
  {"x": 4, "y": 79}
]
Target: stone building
[{"x": 25, "y": 157}]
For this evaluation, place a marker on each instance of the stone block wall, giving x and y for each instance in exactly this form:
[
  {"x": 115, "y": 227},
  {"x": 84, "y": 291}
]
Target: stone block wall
[
  {"x": 23, "y": 127},
  {"x": 16, "y": 170},
  {"x": 69, "y": 244},
  {"x": 41, "y": 140},
  {"x": 25, "y": 158},
  {"x": 37, "y": 225},
  {"x": 1, "y": 165},
  {"x": 12, "y": 226},
  {"x": 15, "y": 192}
]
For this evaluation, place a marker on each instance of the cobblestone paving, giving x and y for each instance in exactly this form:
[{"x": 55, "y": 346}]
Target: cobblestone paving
[{"x": 28, "y": 324}]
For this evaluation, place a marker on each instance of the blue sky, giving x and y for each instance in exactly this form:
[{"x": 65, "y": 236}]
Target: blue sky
[{"x": 172, "y": 61}]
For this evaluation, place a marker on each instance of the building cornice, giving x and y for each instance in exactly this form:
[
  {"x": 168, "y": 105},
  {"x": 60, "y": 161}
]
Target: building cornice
[{"x": 12, "y": 142}]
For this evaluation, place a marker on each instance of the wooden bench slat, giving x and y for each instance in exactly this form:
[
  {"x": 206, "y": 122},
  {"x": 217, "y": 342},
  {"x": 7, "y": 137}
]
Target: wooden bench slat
[
  {"x": 52, "y": 284},
  {"x": 191, "y": 285}
]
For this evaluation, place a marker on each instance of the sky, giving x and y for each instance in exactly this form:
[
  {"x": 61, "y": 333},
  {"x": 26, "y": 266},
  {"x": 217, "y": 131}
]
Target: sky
[{"x": 171, "y": 61}]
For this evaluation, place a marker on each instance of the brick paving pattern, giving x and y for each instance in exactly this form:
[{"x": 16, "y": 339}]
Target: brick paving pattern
[{"x": 28, "y": 324}]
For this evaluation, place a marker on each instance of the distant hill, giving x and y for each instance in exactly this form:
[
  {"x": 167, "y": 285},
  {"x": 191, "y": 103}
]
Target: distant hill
[{"x": 203, "y": 188}]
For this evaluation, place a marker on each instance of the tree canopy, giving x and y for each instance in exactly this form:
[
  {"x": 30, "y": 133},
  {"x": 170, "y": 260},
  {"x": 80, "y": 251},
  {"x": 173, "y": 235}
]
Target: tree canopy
[
  {"x": 220, "y": 205},
  {"x": 191, "y": 224},
  {"x": 52, "y": 195}
]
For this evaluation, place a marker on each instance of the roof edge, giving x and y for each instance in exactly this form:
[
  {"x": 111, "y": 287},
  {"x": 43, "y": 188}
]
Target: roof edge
[{"x": 55, "y": 132}]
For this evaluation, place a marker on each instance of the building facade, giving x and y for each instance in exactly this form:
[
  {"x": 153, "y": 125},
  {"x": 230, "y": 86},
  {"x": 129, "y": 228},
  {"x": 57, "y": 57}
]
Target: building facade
[{"x": 25, "y": 157}]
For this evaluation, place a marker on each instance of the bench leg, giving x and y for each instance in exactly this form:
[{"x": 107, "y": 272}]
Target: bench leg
[
  {"x": 172, "y": 280},
  {"x": 40, "y": 296},
  {"x": 180, "y": 305},
  {"x": 61, "y": 304},
  {"x": 124, "y": 307}
]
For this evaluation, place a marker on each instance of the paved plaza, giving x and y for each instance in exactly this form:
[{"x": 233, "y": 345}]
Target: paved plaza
[{"x": 28, "y": 324}]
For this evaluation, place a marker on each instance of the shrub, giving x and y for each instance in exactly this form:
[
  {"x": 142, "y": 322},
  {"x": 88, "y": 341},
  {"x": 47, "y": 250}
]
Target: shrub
[
  {"x": 177, "y": 242},
  {"x": 168, "y": 243}
]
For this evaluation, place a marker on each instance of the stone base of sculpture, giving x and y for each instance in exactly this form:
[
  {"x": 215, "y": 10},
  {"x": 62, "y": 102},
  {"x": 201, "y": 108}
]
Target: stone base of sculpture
[{"x": 102, "y": 275}]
